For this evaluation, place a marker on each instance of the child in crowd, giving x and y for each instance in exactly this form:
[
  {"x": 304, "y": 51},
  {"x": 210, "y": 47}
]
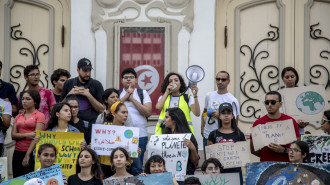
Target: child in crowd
[
  {"x": 119, "y": 159},
  {"x": 156, "y": 164},
  {"x": 88, "y": 169},
  {"x": 227, "y": 132},
  {"x": 298, "y": 152},
  {"x": 47, "y": 154},
  {"x": 212, "y": 166}
]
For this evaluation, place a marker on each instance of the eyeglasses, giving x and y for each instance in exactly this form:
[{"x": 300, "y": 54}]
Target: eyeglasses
[
  {"x": 222, "y": 79},
  {"x": 295, "y": 150},
  {"x": 35, "y": 75},
  {"x": 74, "y": 107},
  {"x": 128, "y": 77},
  {"x": 211, "y": 168},
  {"x": 273, "y": 102},
  {"x": 324, "y": 121}
]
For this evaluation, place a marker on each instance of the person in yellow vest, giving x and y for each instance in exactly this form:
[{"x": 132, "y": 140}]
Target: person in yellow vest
[{"x": 173, "y": 89}]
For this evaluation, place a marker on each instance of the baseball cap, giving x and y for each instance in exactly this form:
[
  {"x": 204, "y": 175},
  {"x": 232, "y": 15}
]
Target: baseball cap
[
  {"x": 84, "y": 64},
  {"x": 225, "y": 106}
]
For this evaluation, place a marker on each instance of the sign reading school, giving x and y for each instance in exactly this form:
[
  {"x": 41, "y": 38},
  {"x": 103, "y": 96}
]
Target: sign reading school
[
  {"x": 68, "y": 148},
  {"x": 278, "y": 132},
  {"x": 171, "y": 147},
  {"x": 105, "y": 138}
]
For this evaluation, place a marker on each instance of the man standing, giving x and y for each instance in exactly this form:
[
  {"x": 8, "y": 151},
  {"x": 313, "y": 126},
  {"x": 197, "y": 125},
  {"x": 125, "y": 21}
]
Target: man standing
[
  {"x": 139, "y": 107},
  {"x": 88, "y": 91},
  {"x": 273, "y": 152},
  {"x": 7, "y": 93},
  {"x": 212, "y": 102},
  {"x": 32, "y": 77},
  {"x": 58, "y": 78}
]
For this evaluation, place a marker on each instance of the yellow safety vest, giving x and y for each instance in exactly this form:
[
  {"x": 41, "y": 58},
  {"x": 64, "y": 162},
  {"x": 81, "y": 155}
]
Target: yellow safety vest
[{"x": 183, "y": 105}]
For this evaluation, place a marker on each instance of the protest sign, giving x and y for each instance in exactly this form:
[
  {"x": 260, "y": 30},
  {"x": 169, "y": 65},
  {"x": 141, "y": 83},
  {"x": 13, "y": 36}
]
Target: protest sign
[
  {"x": 171, "y": 147},
  {"x": 306, "y": 103},
  {"x": 218, "y": 179},
  {"x": 105, "y": 138},
  {"x": 278, "y": 132},
  {"x": 3, "y": 169},
  {"x": 262, "y": 173},
  {"x": 319, "y": 148},
  {"x": 151, "y": 179},
  {"x": 48, "y": 176},
  {"x": 68, "y": 148},
  {"x": 230, "y": 154}
]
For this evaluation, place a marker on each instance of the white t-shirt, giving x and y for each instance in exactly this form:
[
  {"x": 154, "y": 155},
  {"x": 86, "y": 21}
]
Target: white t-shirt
[
  {"x": 214, "y": 102},
  {"x": 7, "y": 109},
  {"x": 140, "y": 120},
  {"x": 174, "y": 101}
]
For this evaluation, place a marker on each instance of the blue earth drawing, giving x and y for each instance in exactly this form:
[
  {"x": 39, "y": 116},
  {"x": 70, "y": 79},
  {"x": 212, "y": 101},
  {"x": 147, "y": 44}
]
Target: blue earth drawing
[
  {"x": 128, "y": 134},
  {"x": 310, "y": 102}
]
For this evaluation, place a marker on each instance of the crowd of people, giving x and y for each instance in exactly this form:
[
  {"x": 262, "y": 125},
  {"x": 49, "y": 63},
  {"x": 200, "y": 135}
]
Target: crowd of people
[{"x": 76, "y": 103}]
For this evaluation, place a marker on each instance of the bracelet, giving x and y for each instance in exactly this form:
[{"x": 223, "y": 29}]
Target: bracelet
[{"x": 195, "y": 96}]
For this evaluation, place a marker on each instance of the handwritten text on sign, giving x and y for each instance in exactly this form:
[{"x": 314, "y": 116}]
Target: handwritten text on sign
[
  {"x": 68, "y": 148},
  {"x": 279, "y": 132},
  {"x": 230, "y": 154},
  {"x": 171, "y": 147},
  {"x": 319, "y": 148},
  {"x": 105, "y": 138}
]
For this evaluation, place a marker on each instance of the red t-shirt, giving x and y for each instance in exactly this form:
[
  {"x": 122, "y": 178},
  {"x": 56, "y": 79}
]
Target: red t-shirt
[
  {"x": 27, "y": 126},
  {"x": 266, "y": 154}
]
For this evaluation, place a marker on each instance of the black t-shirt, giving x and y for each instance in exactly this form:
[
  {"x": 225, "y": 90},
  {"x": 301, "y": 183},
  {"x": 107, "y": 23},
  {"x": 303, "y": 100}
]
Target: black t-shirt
[
  {"x": 57, "y": 98},
  {"x": 7, "y": 90},
  {"x": 80, "y": 125},
  {"x": 75, "y": 180},
  {"x": 86, "y": 110},
  {"x": 219, "y": 137}
]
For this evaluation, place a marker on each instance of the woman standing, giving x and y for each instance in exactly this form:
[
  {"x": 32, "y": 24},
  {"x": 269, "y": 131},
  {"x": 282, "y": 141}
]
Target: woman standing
[
  {"x": 298, "y": 152},
  {"x": 88, "y": 169},
  {"x": 24, "y": 131},
  {"x": 173, "y": 89},
  {"x": 176, "y": 123}
]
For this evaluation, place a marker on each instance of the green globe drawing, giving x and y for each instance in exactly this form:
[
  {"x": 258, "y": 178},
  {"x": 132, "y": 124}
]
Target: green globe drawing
[{"x": 310, "y": 102}]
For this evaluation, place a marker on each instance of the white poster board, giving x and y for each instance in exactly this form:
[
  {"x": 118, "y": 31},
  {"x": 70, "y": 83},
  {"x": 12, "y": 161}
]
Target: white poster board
[
  {"x": 171, "y": 147},
  {"x": 306, "y": 103},
  {"x": 230, "y": 154},
  {"x": 278, "y": 132},
  {"x": 105, "y": 138}
]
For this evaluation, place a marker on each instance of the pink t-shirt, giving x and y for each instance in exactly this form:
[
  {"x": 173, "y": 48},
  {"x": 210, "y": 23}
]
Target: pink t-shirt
[
  {"x": 27, "y": 126},
  {"x": 47, "y": 100}
]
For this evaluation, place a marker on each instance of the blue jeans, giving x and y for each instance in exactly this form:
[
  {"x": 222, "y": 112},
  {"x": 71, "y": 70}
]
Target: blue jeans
[
  {"x": 137, "y": 163},
  {"x": 204, "y": 144}
]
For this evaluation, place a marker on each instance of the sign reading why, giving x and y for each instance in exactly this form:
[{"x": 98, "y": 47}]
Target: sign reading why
[
  {"x": 3, "y": 169},
  {"x": 68, "y": 148},
  {"x": 230, "y": 154},
  {"x": 306, "y": 103},
  {"x": 48, "y": 176},
  {"x": 171, "y": 147},
  {"x": 279, "y": 132},
  {"x": 218, "y": 179},
  {"x": 105, "y": 138},
  {"x": 319, "y": 148}
]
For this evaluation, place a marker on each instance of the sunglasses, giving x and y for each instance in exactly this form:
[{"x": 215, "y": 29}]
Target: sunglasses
[
  {"x": 294, "y": 150},
  {"x": 273, "y": 102},
  {"x": 222, "y": 79}
]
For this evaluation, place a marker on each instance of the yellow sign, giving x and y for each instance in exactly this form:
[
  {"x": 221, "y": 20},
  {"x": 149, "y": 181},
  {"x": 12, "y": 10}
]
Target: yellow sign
[{"x": 68, "y": 148}]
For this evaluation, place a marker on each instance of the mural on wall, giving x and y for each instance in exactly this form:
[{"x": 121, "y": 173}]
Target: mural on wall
[{"x": 33, "y": 51}]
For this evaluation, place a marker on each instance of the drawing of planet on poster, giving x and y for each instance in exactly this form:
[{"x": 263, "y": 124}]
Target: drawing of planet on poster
[{"x": 310, "y": 102}]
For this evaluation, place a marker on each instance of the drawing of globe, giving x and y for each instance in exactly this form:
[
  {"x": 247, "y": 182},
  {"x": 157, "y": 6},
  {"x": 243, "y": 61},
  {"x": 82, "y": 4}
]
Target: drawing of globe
[{"x": 310, "y": 102}]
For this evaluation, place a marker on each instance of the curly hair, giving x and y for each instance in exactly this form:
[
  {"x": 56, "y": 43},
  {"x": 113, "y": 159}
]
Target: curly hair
[
  {"x": 153, "y": 159},
  {"x": 166, "y": 82},
  {"x": 215, "y": 161},
  {"x": 57, "y": 74},
  {"x": 29, "y": 68}
]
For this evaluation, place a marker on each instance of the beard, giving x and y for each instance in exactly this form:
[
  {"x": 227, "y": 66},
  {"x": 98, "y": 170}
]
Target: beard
[{"x": 83, "y": 79}]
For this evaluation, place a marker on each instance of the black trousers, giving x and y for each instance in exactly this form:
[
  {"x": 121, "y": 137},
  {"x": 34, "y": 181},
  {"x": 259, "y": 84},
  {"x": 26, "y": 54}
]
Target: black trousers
[{"x": 18, "y": 169}]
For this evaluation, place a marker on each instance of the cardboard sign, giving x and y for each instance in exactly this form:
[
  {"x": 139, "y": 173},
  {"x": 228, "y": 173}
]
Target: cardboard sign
[
  {"x": 68, "y": 148},
  {"x": 105, "y": 138},
  {"x": 48, "y": 176},
  {"x": 3, "y": 169},
  {"x": 218, "y": 179},
  {"x": 154, "y": 179},
  {"x": 319, "y": 148},
  {"x": 171, "y": 147},
  {"x": 261, "y": 173},
  {"x": 278, "y": 132},
  {"x": 306, "y": 103},
  {"x": 230, "y": 154}
]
